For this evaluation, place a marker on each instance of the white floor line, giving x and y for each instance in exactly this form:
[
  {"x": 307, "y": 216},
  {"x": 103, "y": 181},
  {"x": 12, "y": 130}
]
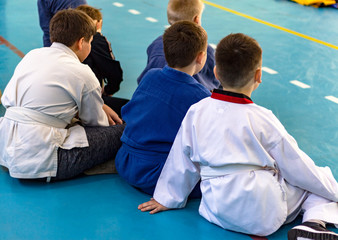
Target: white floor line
[
  {"x": 269, "y": 70},
  {"x": 117, "y": 4},
  {"x": 300, "y": 84},
  {"x": 150, "y": 19},
  {"x": 133, "y": 11},
  {"x": 332, "y": 98}
]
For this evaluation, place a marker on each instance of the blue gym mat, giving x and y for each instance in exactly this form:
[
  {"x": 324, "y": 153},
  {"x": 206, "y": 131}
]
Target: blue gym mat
[{"x": 299, "y": 85}]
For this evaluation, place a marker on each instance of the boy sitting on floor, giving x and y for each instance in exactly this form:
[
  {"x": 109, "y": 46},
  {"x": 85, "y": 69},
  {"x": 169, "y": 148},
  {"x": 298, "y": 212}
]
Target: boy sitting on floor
[
  {"x": 254, "y": 176},
  {"x": 156, "y": 109},
  {"x": 179, "y": 10},
  {"x": 103, "y": 63},
  {"x": 50, "y": 86},
  {"x": 101, "y": 58}
]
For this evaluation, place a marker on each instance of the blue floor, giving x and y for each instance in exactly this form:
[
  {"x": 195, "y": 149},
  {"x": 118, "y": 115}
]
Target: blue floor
[{"x": 105, "y": 207}]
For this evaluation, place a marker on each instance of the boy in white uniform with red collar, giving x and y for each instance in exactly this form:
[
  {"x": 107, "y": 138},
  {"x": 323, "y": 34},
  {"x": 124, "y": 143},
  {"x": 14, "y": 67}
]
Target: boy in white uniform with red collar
[{"x": 256, "y": 178}]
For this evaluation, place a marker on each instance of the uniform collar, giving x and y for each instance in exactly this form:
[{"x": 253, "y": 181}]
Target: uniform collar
[
  {"x": 230, "y": 97},
  {"x": 178, "y": 75},
  {"x": 64, "y": 48}
]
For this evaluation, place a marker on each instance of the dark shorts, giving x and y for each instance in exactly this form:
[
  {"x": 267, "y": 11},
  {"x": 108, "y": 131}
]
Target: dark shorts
[{"x": 104, "y": 142}]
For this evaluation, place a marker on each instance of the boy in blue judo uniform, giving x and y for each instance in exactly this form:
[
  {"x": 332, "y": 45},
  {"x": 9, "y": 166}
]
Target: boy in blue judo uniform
[
  {"x": 179, "y": 10},
  {"x": 156, "y": 109}
]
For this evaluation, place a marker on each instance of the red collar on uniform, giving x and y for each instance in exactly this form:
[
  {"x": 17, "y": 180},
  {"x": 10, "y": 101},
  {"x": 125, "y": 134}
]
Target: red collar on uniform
[{"x": 230, "y": 96}]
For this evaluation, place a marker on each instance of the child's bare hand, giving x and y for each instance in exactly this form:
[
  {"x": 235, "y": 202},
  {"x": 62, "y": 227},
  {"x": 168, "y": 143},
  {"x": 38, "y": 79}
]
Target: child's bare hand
[
  {"x": 153, "y": 206},
  {"x": 113, "y": 118}
]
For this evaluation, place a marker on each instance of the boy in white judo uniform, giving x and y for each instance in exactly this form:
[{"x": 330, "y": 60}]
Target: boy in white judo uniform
[
  {"x": 254, "y": 176},
  {"x": 49, "y": 87}
]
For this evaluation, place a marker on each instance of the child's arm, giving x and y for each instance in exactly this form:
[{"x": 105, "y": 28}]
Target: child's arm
[
  {"x": 153, "y": 206},
  {"x": 112, "y": 116},
  {"x": 298, "y": 169},
  {"x": 179, "y": 175}
]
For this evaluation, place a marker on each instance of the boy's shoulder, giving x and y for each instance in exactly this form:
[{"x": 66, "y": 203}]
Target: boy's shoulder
[
  {"x": 156, "y": 47},
  {"x": 210, "y": 50},
  {"x": 249, "y": 109},
  {"x": 99, "y": 38},
  {"x": 258, "y": 117},
  {"x": 157, "y": 42},
  {"x": 173, "y": 83}
]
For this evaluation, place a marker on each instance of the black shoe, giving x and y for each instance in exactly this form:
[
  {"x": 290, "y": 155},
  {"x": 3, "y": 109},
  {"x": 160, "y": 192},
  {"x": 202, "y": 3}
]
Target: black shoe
[{"x": 311, "y": 230}]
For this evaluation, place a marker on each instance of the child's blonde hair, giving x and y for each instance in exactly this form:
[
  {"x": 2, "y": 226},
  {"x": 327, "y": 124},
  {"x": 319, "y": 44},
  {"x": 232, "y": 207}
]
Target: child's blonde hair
[
  {"x": 179, "y": 10},
  {"x": 92, "y": 12}
]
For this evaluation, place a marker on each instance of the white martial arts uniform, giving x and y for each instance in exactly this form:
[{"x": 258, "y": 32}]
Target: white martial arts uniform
[
  {"x": 48, "y": 88},
  {"x": 254, "y": 176}
]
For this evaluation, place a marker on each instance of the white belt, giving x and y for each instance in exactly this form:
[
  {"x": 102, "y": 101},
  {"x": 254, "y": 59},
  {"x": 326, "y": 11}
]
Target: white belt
[
  {"x": 208, "y": 172},
  {"x": 25, "y": 115}
]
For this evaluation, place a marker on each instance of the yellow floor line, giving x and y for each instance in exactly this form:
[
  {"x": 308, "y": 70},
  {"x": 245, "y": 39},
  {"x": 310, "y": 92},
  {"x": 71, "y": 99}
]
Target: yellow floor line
[{"x": 272, "y": 25}]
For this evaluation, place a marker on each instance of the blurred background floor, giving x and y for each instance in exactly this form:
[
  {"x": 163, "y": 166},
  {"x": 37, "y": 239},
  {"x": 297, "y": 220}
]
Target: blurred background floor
[{"x": 299, "y": 85}]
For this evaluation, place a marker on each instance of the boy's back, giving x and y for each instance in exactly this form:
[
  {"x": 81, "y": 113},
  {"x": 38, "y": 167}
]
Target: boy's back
[
  {"x": 243, "y": 154},
  {"x": 254, "y": 176},
  {"x": 183, "y": 10},
  {"x": 155, "y": 112},
  {"x": 101, "y": 58},
  {"x": 153, "y": 116},
  {"x": 47, "y": 9},
  {"x": 102, "y": 61}
]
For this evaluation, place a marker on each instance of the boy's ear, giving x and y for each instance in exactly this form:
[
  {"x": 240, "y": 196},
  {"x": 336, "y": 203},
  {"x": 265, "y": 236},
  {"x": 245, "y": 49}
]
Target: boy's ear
[
  {"x": 200, "y": 56},
  {"x": 197, "y": 19},
  {"x": 99, "y": 25},
  {"x": 215, "y": 73},
  {"x": 258, "y": 75},
  {"x": 79, "y": 44}
]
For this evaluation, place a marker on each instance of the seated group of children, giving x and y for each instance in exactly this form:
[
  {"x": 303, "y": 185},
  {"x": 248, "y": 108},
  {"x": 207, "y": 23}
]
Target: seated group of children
[{"x": 179, "y": 139}]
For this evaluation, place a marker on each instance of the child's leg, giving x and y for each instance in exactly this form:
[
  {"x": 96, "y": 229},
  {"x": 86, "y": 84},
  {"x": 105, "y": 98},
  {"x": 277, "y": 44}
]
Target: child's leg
[
  {"x": 317, "y": 212},
  {"x": 104, "y": 143},
  {"x": 319, "y": 208}
]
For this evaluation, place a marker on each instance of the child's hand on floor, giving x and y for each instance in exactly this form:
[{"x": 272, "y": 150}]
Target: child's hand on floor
[{"x": 153, "y": 206}]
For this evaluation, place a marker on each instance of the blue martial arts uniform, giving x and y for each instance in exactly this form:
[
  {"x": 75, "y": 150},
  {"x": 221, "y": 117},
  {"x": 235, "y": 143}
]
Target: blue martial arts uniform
[
  {"x": 48, "y": 8},
  {"x": 153, "y": 117},
  {"x": 156, "y": 59}
]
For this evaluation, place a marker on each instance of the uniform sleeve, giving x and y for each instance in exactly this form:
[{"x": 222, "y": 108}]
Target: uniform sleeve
[
  {"x": 179, "y": 175},
  {"x": 299, "y": 169},
  {"x": 90, "y": 102}
]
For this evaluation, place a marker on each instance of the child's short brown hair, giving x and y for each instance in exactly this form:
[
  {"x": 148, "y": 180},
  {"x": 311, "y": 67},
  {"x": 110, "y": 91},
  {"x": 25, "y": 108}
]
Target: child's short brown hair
[
  {"x": 70, "y": 25},
  {"x": 92, "y": 12},
  {"x": 179, "y": 10},
  {"x": 182, "y": 42},
  {"x": 237, "y": 58}
]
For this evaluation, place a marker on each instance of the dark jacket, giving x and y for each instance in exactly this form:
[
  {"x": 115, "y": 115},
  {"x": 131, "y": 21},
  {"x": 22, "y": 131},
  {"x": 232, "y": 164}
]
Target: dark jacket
[{"x": 102, "y": 61}]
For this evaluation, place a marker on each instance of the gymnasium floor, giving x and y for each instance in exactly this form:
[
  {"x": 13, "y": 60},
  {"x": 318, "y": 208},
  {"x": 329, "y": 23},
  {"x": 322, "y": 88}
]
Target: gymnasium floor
[{"x": 299, "y": 85}]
